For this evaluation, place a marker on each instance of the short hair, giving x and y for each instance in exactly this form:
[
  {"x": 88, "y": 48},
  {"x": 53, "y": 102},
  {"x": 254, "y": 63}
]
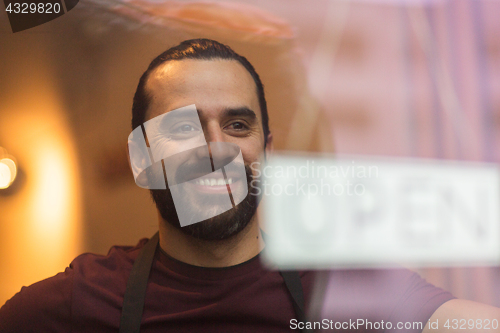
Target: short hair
[{"x": 201, "y": 49}]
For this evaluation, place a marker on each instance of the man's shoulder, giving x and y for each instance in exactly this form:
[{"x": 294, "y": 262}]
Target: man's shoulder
[
  {"x": 54, "y": 303},
  {"x": 392, "y": 295},
  {"x": 390, "y": 284},
  {"x": 87, "y": 268},
  {"x": 105, "y": 271},
  {"x": 117, "y": 256}
]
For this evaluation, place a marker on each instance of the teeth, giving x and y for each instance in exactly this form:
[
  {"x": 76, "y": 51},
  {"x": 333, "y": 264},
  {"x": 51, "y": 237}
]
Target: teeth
[{"x": 213, "y": 181}]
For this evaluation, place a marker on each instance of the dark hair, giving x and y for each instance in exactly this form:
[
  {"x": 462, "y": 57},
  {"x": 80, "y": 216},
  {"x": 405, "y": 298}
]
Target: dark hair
[{"x": 202, "y": 49}]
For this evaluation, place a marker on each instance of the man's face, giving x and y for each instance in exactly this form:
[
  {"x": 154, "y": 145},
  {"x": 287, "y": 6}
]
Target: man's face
[{"x": 225, "y": 96}]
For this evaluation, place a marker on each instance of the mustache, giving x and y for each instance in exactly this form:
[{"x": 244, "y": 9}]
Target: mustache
[
  {"x": 199, "y": 162},
  {"x": 190, "y": 171}
]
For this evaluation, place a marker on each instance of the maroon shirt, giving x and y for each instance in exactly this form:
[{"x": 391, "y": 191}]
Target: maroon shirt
[{"x": 88, "y": 296}]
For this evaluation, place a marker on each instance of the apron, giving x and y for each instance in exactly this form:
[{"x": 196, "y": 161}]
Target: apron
[{"x": 135, "y": 293}]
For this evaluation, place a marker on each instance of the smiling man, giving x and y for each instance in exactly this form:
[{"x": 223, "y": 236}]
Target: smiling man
[
  {"x": 228, "y": 99},
  {"x": 202, "y": 108}
]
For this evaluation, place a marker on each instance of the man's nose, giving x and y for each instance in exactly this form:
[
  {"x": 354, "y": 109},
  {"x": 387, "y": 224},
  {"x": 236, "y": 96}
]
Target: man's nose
[
  {"x": 221, "y": 152},
  {"x": 213, "y": 132}
]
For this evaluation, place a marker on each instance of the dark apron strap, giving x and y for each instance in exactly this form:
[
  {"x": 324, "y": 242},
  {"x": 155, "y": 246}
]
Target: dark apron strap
[
  {"x": 294, "y": 286},
  {"x": 135, "y": 293}
]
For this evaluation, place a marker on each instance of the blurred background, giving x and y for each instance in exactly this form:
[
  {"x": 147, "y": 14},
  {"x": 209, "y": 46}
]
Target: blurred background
[{"x": 388, "y": 78}]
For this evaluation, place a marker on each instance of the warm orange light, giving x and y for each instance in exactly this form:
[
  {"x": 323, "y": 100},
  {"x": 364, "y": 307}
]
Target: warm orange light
[
  {"x": 52, "y": 205},
  {"x": 5, "y": 176},
  {"x": 8, "y": 172},
  {"x": 41, "y": 221}
]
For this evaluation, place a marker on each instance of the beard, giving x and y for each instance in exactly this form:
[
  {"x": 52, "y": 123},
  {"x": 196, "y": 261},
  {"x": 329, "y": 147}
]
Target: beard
[{"x": 220, "y": 227}]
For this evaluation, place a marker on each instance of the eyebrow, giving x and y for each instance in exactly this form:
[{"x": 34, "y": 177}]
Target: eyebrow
[
  {"x": 170, "y": 118},
  {"x": 243, "y": 111},
  {"x": 240, "y": 112}
]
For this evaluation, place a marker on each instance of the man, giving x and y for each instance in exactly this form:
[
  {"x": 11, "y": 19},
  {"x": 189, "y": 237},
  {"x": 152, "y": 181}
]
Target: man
[{"x": 206, "y": 276}]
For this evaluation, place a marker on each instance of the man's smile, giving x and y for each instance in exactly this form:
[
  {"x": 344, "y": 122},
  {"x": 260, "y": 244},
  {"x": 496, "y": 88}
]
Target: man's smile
[
  {"x": 213, "y": 181},
  {"x": 211, "y": 184}
]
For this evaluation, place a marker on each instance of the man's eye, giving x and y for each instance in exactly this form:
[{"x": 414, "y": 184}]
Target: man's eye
[
  {"x": 183, "y": 129},
  {"x": 238, "y": 126}
]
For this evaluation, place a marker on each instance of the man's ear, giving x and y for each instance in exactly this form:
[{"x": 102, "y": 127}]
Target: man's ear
[
  {"x": 269, "y": 145},
  {"x": 137, "y": 163}
]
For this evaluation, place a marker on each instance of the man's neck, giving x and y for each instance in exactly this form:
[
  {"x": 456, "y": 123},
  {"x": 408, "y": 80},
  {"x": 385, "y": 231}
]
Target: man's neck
[{"x": 221, "y": 253}]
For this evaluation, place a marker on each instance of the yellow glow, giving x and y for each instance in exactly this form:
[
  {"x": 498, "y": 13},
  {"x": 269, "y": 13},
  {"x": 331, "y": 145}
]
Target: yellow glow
[
  {"x": 52, "y": 201},
  {"x": 5, "y": 176},
  {"x": 12, "y": 166},
  {"x": 47, "y": 208},
  {"x": 40, "y": 224}
]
